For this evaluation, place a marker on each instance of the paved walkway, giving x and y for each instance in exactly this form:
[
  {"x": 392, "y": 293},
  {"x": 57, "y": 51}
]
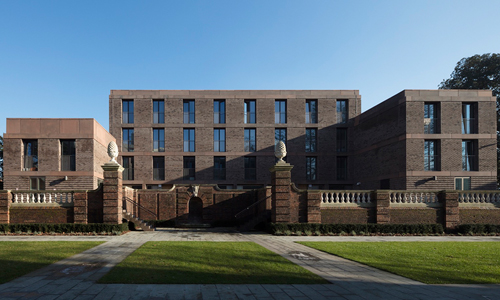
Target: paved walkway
[{"x": 74, "y": 277}]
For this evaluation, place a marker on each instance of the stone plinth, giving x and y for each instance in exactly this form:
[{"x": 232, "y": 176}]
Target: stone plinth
[
  {"x": 112, "y": 193},
  {"x": 281, "y": 188}
]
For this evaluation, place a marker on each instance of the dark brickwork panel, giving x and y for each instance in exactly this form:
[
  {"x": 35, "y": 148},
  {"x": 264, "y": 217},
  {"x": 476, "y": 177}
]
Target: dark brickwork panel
[
  {"x": 95, "y": 206},
  {"x": 415, "y": 215},
  {"x": 480, "y": 216},
  {"x": 352, "y": 215},
  {"x": 41, "y": 215}
]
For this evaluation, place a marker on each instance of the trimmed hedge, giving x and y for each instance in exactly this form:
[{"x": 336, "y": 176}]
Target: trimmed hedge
[
  {"x": 326, "y": 229},
  {"x": 478, "y": 228},
  {"x": 63, "y": 228}
]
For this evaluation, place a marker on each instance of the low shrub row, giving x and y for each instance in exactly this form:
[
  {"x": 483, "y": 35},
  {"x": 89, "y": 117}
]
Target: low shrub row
[
  {"x": 478, "y": 229},
  {"x": 63, "y": 228},
  {"x": 354, "y": 229}
]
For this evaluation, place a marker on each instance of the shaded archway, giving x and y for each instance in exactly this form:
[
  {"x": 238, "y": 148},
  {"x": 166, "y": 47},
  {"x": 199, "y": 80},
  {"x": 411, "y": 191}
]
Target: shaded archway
[{"x": 195, "y": 211}]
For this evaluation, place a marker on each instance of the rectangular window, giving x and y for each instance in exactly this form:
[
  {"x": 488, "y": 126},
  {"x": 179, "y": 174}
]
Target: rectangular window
[
  {"x": 341, "y": 139},
  {"x": 219, "y": 168},
  {"x": 189, "y": 140},
  {"x": 68, "y": 155},
  {"x": 158, "y": 111},
  {"x": 30, "y": 155},
  {"x": 341, "y": 167},
  {"x": 158, "y": 168},
  {"x": 189, "y": 168},
  {"x": 280, "y": 112},
  {"x": 158, "y": 140},
  {"x": 250, "y": 112},
  {"x": 250, "y": 167},
  {"x": 279, "y": 135},
  {"x": 219, "y": 111},
  {"x": 431, "y": 155},
  {"x": 250, "y": 140},
  {"x": 128, "y": 167},
  {"x": 341, "y": 111},
  {"x": 469, "y": 155},
  {"x": 311, "y": 111},
  {"x": 128, "y": 111},
  {"x": 188, "y": 111},
  {"x": 128, "y": 140},
  {"x": 311, "y": 140},
  {"x": 37, "y": 183},
  {"x": 219, "y": 140},
  {"x": 469, "y": 118},
  {"x": 462, "y": 183},
  {"x": 431, "y": 118},
  {"x": 311, "y": 168}
]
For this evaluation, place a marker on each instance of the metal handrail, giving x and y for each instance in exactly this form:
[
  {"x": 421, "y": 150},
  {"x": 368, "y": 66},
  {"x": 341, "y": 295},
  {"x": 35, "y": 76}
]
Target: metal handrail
[
  {"x": 250, "y": 206},
  {"x": 138, "y": 205}
]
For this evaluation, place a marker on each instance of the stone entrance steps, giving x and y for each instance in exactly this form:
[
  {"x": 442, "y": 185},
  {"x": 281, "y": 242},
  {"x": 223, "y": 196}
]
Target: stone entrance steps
[{"x": 139, "y": 224}]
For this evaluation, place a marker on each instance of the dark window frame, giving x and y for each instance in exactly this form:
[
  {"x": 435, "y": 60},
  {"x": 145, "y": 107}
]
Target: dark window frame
[
  {"x": 128, "y": 111},
  {"x": 158, "y": 111}
]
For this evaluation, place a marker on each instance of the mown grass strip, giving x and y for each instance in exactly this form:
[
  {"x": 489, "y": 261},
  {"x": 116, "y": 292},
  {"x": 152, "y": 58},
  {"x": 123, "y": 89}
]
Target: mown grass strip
[
  {"x": 428, "y": 262},
  {"x": 20, "y": 258},
  {"x": 208, "y": 263}
]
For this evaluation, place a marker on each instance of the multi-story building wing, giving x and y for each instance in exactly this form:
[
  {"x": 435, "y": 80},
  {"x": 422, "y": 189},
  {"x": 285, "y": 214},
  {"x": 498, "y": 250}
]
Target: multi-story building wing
[{"x": 228, "y": 137}]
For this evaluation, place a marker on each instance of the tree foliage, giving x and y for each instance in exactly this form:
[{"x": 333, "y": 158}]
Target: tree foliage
[{"x": 476, "y": 72}]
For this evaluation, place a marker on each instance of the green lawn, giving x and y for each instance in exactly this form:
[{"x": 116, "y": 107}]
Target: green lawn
[
  {"x": 428, "y": 262},
  {"x": 20, "y": 258},
  {"x": 207, "y": 263}
]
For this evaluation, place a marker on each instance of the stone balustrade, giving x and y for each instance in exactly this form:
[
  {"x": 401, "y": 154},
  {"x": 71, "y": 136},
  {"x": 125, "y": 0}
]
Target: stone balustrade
[
  {"x": 479, "y": 197},
  {"x": 42, "y": 197},
  {"x": 338, "y": 198},
  {"x": 410, "y": 198}
]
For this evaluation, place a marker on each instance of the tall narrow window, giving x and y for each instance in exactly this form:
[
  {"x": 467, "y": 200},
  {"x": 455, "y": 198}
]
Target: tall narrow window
[
  {"x": 341, "y": 167},
  {"x": 128, "y": 140},
  {"x": 311, "y": 140},
  {"x": 431, "y": 117},
  {"x": 280, "y": 112},
  {"x": 469, "y": 118},
  {"x": 128, "y": 167},
  {"x": 158, "y": 140},
  {"x": 219, "y": 111},
  {"x": 311, "y": 111},
  {"x": 279, "y": 135},
  {"x": 189, "y": 168},
  {"x": 158, "y": 168},
  {"x": 431, "y": 155},
  {"x": 158, "y": 111},
  {"x": 341, "y": 139},
  {"x": 189, "y": 140},
  {"x": 219, "y": 168},
  {"x": 341, "y": 111},
  {"x": 189, "y": 112},
  {"x": 250, "y": 167},
  {"x": 311, "y": 168},
  {"x": 250, "y": 112},
  {"x": 219, "y": 140},
  {"x": 68, "y": 155},
  {"x": 128, "y": 111},
  {"x": 469, "y": 155},
  {"x": 250, "y": 141},
  {"x": 462, "y": 183},
  {"x": 30, "y": 155}
]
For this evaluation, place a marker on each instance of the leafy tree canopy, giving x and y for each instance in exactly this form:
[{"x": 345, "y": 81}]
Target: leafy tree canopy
[{"x": 476, "y": 72}]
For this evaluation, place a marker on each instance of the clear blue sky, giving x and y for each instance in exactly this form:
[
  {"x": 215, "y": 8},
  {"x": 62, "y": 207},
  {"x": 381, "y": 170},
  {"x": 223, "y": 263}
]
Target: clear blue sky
[{"x": 61, "y": 58}]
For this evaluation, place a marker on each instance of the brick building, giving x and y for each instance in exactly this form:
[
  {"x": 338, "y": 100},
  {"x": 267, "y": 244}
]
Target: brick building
[
  {"x": 418, "y": 139},
  {"x": 48, "y": 154}
]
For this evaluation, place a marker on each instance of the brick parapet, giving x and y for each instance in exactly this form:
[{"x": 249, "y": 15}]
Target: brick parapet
[
  {"x": 80, "y": 207},
  {"x": 112, "y": 193},
  {"x": 449, "y": 199},
  {"x": 382, "y": 204},
  {"x": 5, "y": 202},
  {"x": 313, "y": 207},
  {"x": 281, "y": 189}
]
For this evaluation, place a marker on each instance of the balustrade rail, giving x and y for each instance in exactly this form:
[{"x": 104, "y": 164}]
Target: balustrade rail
[
  {"x": 345, "y": 197},
  {"x": 413, "y": 197},
  {"x": 43, "y": 197},
  {"x": 474, "y": 197}
]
